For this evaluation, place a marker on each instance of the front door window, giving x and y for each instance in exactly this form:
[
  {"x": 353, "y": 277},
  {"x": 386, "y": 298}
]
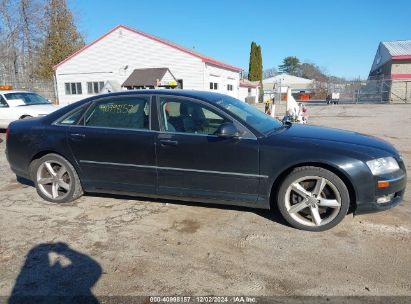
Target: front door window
[{"x": 184, "y": 116}]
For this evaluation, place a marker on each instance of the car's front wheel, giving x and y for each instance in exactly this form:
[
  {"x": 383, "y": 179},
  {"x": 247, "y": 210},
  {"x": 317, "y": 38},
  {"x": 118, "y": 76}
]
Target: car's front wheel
[
  {"x": 313, "y": 199},
  {"x": 55, "y": 179}
]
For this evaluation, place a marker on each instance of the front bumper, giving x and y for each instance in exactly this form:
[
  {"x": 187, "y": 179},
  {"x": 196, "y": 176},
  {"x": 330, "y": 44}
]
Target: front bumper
[{"x": 396, "y": 188}]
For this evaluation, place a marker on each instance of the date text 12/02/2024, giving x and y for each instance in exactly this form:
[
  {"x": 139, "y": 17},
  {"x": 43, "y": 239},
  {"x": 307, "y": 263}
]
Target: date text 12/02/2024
[{"x": 203, "y": 299}]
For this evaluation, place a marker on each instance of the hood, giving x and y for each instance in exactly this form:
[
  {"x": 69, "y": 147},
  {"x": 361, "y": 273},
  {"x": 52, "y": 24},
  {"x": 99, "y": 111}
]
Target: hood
[
  {"x": 40, "y": 109},
  {"x": 337, "y": 135}
]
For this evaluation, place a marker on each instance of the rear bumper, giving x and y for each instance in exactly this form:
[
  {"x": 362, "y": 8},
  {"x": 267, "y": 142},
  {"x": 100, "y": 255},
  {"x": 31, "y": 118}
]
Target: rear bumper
[
  {"x": 18, "y": 172},
  {"x": 396, "y": 188}
]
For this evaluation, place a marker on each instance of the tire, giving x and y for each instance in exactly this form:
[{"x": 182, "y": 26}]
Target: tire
[
  {"x": 55, "y": 179},
  {"x": 313, "y": 199}
]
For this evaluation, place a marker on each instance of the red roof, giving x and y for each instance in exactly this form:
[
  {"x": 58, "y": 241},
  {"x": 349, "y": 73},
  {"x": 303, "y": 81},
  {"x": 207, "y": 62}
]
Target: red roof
[
  {"x": 163, "y": 41},
  {"x": 402, "y": 57},
  {"x": 250, "y": 85}
]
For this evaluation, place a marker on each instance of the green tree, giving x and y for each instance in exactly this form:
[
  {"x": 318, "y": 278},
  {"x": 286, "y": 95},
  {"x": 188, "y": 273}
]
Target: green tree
[
  {"x": 252, "y": 62},
  {"x": 255, "y": 69},
  {"x": 260, "y": 72},
  {"x": 60, "y": 40},
  {"x": 291, "y": 65},
  {"x": 259, "y": 64}
]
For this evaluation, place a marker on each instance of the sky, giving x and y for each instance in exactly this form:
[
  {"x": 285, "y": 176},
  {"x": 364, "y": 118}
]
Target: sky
[{"x": 340, "y": 36}]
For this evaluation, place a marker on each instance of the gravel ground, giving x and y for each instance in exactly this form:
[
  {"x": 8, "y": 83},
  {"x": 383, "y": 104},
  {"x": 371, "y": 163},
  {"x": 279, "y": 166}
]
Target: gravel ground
[{"x": 116, "y": 245}]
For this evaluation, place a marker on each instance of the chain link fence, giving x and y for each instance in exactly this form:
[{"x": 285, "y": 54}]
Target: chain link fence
[
  {"x": 43, "y": 88},
  {"x": 358, "y": 91},
  {"x": 372, "y": 91}
]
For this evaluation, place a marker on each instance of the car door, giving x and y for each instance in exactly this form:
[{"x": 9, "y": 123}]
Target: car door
[
  {"x": 114, "y": 146},
  {"x": 6, "y": 113},
  {"x": 194, "y": 163}
]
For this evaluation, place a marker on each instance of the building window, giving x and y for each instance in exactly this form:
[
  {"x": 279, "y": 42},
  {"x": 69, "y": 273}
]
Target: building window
[
  {"x": 73, "y": 88},
  {"x": 95, "y": 87},
  {"x": 229, "y": 87},
  {"x": 213, "y": 86}
]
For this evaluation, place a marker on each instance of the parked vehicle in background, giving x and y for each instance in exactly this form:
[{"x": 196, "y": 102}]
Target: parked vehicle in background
[
  {"x": 16, "y": 105},
  {"x": 206, "y": 147},
  {"x": 335, "y": 98}
]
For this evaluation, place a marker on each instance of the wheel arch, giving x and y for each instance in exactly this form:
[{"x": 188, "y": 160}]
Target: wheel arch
[
  {"x": 342, "y": 175},
  {"x": 45, "y": 152},
  {"x": 25, "y": 115}
]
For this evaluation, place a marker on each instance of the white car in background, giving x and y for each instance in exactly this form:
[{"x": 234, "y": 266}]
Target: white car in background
[{"x": 16, "y": 105}]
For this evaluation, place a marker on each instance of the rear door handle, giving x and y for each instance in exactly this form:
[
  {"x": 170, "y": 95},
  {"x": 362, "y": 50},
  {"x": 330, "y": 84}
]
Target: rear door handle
[
  {"x": 168, "y": 142},
  {"x": 77, "y": 136}
]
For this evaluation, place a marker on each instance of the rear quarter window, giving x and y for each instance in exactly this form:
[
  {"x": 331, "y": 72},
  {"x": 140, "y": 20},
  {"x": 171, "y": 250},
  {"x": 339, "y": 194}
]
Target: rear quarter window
[{"x": 73, "y": 117}]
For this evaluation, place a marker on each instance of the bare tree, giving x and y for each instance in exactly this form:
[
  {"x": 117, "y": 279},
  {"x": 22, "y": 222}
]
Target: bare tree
[
  {"x": 60, "y": 39},
  {"x": 30, "y": 13},
  {"x": 9, "y": 39},
  {"x": 269, "y": 73},
  {"x": 20, "y": 29}
]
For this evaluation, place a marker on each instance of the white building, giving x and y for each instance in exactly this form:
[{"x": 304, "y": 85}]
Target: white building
[
  {"x": 249, "y": 91},
  {"x": 299, "y": 86},
  {"x": 112, "y": 58}
]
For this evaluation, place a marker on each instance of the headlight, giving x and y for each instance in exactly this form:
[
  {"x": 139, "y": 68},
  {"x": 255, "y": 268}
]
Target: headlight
[{"x": 383, "y": 165}]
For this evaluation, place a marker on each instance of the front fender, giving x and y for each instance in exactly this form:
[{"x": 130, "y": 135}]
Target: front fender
[{"x": 276, "y": 160}]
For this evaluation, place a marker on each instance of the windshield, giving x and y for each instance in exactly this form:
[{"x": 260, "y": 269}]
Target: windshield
[
  {"x": 261, "y": 122},
  {"x": 27, "y": 98}
]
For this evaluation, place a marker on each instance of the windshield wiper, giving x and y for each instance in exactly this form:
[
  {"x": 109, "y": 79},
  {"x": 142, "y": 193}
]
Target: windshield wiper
[{"x": 284, "y": 125}]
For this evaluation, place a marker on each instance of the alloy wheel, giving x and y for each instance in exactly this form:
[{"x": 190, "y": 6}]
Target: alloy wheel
[
  {"x": 312, "y": 201},
  {"x": 53, "y": 180}
]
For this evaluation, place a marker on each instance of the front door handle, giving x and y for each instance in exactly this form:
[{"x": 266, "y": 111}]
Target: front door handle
[
  {"x": 168, "y": 142},
  {"x": 77, "y": 136}
]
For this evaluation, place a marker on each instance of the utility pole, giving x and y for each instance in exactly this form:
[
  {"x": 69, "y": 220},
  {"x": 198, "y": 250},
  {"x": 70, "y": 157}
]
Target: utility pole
[{"x": 279, "y": 95}]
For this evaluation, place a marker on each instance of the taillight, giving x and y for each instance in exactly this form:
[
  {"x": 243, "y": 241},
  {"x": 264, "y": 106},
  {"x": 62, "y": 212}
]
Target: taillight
[{"x": 7, "y": 133}]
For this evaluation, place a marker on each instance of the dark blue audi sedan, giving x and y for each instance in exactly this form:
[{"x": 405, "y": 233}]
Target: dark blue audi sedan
[{"x": 205, "y": 147}]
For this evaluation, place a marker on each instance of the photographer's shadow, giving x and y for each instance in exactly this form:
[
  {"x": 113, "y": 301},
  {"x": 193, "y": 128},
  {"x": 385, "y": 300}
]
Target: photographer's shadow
[{"x": 56, "y": 273}]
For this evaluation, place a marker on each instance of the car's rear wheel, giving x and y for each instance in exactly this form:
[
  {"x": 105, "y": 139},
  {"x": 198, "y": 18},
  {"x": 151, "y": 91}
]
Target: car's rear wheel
[
  {"x": 313, "y": 199},
  {"x": 55, "y": 179}
]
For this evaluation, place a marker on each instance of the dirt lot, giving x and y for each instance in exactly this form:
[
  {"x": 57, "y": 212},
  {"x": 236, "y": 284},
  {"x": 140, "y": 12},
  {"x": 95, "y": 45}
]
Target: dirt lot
[{"x": 126, "y": 246}]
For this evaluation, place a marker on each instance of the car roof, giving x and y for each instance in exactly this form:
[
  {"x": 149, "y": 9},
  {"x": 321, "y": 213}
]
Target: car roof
[{"x": 208, "y": 96}]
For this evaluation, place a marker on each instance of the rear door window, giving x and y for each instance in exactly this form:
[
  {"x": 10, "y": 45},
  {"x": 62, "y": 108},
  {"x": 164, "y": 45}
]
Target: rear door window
[{"x": 122, "y": 113}]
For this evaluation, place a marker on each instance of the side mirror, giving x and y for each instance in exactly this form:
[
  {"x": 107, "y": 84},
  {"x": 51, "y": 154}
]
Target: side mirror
[{"x": 228, "y": 130}]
